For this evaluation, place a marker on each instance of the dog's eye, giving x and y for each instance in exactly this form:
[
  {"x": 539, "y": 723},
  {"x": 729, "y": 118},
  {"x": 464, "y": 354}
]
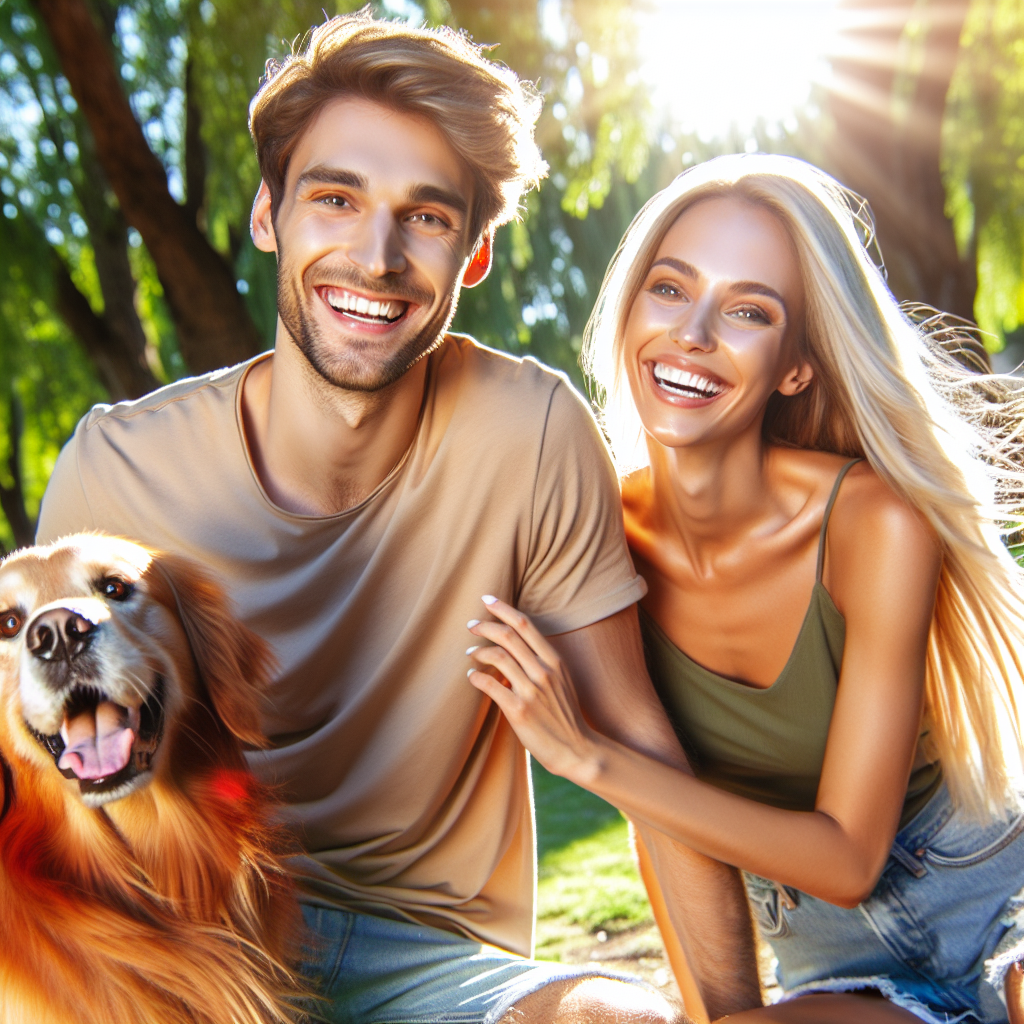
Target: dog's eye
[
  {"x": 115, "y": 589},
  {"x": 10, "y": 624}
]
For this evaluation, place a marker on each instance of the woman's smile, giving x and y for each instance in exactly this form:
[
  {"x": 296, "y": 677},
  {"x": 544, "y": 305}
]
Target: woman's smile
[{"x": 712, "y": 331}]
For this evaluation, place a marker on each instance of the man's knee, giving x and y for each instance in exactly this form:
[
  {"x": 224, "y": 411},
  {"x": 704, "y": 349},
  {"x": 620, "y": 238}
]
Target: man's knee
[{"x": 594, "y": 1001}]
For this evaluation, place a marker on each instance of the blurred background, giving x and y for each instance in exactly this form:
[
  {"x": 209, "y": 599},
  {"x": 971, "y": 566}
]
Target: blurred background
[{"x": 127, "y": 173}]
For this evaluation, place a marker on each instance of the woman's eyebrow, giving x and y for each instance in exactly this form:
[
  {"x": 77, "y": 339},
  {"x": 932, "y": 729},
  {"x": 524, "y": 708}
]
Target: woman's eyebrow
[
  {"x": 686, "y": 269},
  {"x": 759, "y": 289}
]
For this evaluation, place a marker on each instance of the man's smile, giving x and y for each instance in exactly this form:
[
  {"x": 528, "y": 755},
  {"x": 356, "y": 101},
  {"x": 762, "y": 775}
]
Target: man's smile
[{"x": 362, "y": 308}]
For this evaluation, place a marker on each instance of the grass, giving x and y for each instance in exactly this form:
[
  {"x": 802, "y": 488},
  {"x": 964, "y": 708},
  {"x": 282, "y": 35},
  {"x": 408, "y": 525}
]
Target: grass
[{"x": 587, "y": 881}]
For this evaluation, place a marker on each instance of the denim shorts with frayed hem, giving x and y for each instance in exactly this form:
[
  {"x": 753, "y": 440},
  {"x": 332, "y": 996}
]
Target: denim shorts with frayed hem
[
  {"x": 937, "y": 934},
  {"x": 377, "y": 970}
]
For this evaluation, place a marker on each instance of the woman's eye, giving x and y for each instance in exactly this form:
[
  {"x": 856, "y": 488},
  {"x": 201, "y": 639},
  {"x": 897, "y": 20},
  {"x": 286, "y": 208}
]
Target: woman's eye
[
  {"x": 115, "y": 589},
  {"x": 751, "y": 314},
  {"x": 666, "y": 289},
  {"x": 10, "y": 624}
]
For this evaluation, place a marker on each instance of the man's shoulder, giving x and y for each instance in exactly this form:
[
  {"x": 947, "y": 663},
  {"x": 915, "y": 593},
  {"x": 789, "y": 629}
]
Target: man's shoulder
[
  {"x": 506, "y": 388},
  {"x": 207, "y": 395}
]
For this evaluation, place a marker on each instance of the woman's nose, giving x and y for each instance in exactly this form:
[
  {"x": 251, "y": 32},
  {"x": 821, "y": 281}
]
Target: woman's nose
[{"x": 693, "y": 332}]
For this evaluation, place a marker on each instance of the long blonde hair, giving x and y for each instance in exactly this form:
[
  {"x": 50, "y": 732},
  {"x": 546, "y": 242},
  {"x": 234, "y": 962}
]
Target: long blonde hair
[{"x": 946, "y": 439}]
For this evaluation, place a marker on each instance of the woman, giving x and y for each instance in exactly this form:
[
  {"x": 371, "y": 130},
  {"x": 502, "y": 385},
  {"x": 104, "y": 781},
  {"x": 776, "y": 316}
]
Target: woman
[{"x": 832, "y": 620}]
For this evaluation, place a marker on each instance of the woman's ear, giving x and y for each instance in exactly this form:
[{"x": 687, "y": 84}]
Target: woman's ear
[
  {"x": 480, "y": 265},
  {"x": 261, "y": 221},
  {"x": 798, "y": 379}
]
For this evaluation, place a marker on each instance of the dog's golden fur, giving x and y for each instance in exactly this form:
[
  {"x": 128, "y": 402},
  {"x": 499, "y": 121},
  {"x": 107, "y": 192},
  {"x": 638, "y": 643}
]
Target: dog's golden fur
[{"x": 161, "y": 900}]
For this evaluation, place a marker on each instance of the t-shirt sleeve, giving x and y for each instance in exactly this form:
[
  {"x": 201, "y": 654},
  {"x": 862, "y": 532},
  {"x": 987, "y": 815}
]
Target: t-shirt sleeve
[
  {"x": 578, "y": 570},
  {"x": 65, "y": 508}
]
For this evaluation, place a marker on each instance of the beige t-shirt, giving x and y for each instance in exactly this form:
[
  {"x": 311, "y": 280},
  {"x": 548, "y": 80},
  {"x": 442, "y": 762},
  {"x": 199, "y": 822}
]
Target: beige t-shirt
[{"x": 406, "y": 785}]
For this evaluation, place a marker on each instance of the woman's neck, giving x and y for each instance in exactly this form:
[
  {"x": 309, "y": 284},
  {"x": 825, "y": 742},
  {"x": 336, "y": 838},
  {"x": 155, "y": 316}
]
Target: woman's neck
[{"x": 711, "y": 495}]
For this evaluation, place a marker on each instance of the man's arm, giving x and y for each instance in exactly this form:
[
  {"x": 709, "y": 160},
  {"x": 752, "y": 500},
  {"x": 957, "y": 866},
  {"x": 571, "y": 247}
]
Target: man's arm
[{"x": 704, "y": 899}]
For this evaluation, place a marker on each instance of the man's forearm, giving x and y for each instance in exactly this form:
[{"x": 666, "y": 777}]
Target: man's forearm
[{"x": 707, "y": 909}]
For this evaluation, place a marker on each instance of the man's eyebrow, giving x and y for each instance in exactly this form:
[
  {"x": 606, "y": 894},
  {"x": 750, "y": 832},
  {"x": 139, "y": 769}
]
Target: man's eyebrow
[
  {"x": 321, "y": 175},
  {"x": 436, "y": 194}
]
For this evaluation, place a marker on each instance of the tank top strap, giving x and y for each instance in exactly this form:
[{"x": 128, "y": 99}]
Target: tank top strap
[{"x": 828, "y": 512}]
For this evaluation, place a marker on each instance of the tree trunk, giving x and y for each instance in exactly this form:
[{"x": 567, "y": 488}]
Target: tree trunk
[
  {"x": 214, "y": 327},
  {"x": 887, "y": 105},
  {"x": 12, "y": 499}
]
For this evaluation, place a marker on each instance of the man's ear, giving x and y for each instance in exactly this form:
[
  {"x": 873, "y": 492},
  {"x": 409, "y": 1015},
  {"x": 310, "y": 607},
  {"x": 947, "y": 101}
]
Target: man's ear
[
  {"x": 480, "y": 265},
  {"x": 261, "y": 223},
  {"x": 798, "y": 379}
]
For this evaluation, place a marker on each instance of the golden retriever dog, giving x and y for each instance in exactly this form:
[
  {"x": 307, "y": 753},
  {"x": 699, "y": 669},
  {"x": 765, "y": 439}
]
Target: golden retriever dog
[{"x": 139, "y": 878}]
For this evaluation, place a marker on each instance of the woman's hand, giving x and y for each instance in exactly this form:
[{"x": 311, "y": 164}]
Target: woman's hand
[{"x": 531, "y": 685}]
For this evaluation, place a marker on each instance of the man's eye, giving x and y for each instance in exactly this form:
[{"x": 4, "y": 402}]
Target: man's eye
[
  {"x": 116, "y": 589},
  {"x": 431, "y": 220},
  {"x": 338, "y": 201},
  {"x": 10, "y": 624}
]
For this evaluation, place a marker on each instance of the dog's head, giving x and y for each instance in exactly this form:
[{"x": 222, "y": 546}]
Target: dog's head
[{"x": 108, "y": 650}]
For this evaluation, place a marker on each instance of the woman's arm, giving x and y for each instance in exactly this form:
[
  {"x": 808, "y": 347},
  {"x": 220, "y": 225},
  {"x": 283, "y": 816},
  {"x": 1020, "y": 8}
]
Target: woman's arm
[{"x": 884, "y": 565}]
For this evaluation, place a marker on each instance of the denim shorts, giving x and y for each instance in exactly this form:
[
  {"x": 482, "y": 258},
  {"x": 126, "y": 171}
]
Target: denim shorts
[
  {"x": 937, "y": 934},
  {"x": 378, "y": 970}
]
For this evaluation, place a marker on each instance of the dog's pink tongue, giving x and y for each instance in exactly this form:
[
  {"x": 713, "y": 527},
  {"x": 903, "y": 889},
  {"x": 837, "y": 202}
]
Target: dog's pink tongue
[{"x": 97, "y": 745}]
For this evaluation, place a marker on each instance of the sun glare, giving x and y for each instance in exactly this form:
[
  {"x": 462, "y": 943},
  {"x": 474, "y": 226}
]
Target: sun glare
[{"x": 714, "y": 64}]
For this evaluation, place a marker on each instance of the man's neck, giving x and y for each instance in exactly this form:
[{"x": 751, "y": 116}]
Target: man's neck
[{"x": 319, "y": 449}]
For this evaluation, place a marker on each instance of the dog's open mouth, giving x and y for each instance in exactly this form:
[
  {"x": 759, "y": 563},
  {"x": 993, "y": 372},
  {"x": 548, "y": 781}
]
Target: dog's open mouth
[{"x": 105, "y": 745}]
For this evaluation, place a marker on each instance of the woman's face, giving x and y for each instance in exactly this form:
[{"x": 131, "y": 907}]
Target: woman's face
[{"x": 713, "y": 330}]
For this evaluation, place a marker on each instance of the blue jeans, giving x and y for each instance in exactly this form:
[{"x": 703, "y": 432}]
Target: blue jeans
[
  {"x": 377, "y": 970},
  {"x": 936, "y": 935}
]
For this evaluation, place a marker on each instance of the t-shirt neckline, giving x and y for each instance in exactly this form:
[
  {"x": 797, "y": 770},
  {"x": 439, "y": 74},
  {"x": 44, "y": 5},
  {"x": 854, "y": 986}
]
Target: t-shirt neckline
[{"x": 385, "y": 484}]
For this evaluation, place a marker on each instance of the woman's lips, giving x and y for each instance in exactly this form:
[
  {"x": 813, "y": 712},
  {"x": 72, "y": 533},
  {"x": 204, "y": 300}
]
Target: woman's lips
[{"x": 692, "y": 386}]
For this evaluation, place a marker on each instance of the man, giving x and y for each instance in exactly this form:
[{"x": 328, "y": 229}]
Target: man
[{"x": 358, "y": 490}]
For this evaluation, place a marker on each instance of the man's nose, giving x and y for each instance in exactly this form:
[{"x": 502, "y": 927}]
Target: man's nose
[
  {"x": 59, "y": 634},
  {"x": 377, "y": 249}
]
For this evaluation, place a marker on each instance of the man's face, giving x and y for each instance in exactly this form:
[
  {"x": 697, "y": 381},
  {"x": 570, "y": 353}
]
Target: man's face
[{"x": 371, "y": 242}]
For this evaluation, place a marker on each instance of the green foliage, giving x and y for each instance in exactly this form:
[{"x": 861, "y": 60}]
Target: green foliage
[
  {"x": 587, "y": 875},
  {"x": 984, "y": 159}
]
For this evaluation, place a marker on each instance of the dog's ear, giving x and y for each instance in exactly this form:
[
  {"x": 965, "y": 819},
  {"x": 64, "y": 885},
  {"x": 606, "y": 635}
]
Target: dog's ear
[{"x": 234, "y": 663}]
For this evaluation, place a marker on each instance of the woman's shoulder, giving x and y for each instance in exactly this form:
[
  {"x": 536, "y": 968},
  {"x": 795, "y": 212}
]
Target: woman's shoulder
[
  {"x": 873, "y": 531},
  {"x": 863, "y": 501}
]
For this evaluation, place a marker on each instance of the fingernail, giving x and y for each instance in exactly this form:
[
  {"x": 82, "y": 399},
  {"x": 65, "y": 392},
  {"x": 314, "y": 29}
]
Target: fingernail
[
  {"x": 472, "y": 623},
  {"x": 470, "y": 672},
  {"x": 470, "y": 650},
  {"x": 488, "y": 599}
]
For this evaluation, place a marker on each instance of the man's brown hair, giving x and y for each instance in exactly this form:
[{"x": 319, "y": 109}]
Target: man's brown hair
[{"x": 482, "y": 109}]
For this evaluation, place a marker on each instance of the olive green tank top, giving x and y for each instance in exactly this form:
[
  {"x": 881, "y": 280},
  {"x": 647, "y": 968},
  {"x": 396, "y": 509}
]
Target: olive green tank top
[{"x": 767, "y": 744}]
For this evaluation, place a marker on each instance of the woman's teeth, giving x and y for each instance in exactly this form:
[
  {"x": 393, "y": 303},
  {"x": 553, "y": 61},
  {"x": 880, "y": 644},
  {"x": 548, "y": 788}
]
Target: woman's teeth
[
  {"x": 363, "y": 308},
  {"x": 685, "y": 383}
]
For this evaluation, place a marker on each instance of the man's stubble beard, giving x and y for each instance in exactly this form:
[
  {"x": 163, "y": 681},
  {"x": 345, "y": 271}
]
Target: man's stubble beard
[{"x": 333, "y": 366}]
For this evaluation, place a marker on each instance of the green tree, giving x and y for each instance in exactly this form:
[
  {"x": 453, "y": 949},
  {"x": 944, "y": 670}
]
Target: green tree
[
  {"x": 127, "y": 175},
  {"x": 984, "y": 160}
]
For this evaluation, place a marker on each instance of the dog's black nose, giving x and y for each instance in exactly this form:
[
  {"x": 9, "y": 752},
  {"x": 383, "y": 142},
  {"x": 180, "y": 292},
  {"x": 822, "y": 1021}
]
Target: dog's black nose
[{"x": 60, "y": 635}]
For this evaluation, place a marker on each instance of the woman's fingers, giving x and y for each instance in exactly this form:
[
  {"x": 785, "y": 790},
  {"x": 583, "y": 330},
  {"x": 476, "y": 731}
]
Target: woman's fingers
[
  {"x": 506, "y": 664},
  {"x": 523, "y": 626},
  {"x": 487, "y": 684}
]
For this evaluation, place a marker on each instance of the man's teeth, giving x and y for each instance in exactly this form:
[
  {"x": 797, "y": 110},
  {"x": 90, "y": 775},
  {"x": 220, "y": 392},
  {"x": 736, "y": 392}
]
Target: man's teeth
[
  {"x": 346, "y": 302},
  {"x": 684, "y": 380}
]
